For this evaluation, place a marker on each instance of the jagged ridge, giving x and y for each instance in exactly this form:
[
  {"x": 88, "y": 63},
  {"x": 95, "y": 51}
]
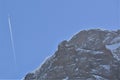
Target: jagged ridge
[{"x": 90, "y": 55}]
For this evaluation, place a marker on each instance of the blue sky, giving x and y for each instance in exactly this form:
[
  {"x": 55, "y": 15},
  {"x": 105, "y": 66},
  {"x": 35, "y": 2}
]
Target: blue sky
[{"x": 40, "y": 25}]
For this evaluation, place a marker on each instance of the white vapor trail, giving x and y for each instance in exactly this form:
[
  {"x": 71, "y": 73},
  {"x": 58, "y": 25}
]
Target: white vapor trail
[{"x": 11, "y": 36}]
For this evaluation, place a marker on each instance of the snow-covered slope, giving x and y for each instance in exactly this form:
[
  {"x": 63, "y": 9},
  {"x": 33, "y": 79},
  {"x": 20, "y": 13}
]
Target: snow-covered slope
[{"x": 90, "y": 55}]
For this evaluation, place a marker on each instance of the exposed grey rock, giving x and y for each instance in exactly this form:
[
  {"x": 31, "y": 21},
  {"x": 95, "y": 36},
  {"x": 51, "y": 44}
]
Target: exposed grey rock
[{"x": 90, "y": 55}]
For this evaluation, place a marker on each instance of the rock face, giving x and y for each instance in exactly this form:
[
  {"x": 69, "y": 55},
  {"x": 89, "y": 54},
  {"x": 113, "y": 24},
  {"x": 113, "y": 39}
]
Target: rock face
[{"x": 90, "y": 55}]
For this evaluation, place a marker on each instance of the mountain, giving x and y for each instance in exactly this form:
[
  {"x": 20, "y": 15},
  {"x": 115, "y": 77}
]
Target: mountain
[{"x": 90, "y": 55}]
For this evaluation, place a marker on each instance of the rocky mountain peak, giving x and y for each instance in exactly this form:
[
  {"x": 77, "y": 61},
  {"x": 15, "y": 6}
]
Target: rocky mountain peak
[{"x": 90, "y": 55}]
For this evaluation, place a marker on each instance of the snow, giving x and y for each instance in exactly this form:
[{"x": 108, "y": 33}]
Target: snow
[
  {"x": 108, "y": 38},
  {"x": 76, "y": 69},
  {"x": 66, "y": 78},
  {"x": 76, "y": 59},
  {"x": 91, "y": 51},
  {"x": 67, "y": 45},
  {"x": 91, "y": 38},
  {"x": 97, "y": 52},
  {"x": 84, "y": 50},
  {"x": 99, "y": 77},
  {"x": 94, "y": 71},
  {"x": 116, "y": 56},
  {"x": 116, "y": 39},
  {"x": 106, "y": 67},
  {"x": 113, "y": 46}
]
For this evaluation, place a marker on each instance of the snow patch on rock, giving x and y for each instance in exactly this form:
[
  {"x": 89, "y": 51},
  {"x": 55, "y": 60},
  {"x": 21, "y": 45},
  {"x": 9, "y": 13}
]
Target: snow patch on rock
[
  {"x": 113, "y": 49},
  {"x": 66, "y": 78},
  {"x": 113, "y": 46},
  {"x": 99, "y": 77}
]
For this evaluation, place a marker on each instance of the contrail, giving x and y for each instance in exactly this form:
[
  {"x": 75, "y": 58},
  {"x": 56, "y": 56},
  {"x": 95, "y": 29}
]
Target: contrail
[{"x": 11, "y": 36}]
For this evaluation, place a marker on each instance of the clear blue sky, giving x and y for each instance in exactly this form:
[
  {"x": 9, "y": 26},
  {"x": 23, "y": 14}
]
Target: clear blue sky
[{"x": 40, "y": 25}]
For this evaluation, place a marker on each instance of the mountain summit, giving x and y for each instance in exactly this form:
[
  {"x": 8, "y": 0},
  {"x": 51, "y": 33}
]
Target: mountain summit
[{"x": 90, "y": 55}]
